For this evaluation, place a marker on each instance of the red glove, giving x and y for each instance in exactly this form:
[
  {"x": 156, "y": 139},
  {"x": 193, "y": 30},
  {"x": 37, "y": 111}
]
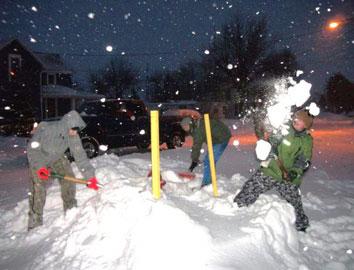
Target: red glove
[
  {"x": 92, "y": 183},
  {"x": 43, "y": 173}
]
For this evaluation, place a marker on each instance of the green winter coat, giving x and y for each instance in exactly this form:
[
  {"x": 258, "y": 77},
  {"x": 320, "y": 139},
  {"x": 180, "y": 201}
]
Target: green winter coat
[
  {"x": 295, "y": 152},
  {"x": 220, "y": 133},
  {"x": 51, "y": 140}
]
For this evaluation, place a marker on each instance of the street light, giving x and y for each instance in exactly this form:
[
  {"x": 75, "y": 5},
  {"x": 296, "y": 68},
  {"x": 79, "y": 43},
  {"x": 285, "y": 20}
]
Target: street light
[
  {"x": 340, "y": 21},
  {"x": 333, "y": 25}
]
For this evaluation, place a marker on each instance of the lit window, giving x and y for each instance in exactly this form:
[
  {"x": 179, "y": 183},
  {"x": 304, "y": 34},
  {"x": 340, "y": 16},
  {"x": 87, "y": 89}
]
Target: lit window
[{"x": 15, "y": 62}]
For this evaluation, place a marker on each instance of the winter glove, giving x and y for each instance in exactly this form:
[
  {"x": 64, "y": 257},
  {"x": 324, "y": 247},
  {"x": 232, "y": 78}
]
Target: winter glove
[
  {"x": 292, "y": 175},
  {"x": 193, "y": 165},
  {"x": 92, "y": 183},
  {"x": 43, "y": 173}
]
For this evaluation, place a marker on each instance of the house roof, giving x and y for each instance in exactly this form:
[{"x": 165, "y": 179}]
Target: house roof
[
  {"x": 49, "y": 61},
  {"x": 59, "y": 91}
]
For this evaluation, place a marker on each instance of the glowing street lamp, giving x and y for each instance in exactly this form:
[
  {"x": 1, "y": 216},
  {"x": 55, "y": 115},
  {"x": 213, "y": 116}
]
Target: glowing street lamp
[{"x": 333, "y": 25}]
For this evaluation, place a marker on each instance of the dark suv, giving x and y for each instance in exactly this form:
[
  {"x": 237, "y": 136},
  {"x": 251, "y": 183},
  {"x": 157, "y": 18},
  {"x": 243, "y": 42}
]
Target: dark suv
[
  {"x": 125, "y": 122},
  {"x": 115, "y": 123}
]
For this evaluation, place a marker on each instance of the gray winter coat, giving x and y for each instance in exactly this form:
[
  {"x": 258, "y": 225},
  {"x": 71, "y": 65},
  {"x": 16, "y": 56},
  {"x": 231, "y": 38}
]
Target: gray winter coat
[{"x": 50, "y": 141}]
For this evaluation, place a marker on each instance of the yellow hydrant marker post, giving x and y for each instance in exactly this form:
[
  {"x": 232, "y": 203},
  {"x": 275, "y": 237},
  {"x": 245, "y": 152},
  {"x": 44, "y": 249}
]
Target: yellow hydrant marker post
[
  {"x": 155, "y": 154},
  {"x": 211, "y": 154}
]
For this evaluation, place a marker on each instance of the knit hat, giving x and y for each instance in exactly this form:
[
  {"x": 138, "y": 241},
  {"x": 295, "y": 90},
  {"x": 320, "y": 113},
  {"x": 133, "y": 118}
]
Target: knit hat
[
  {"x": 305, "y": 117},
  {"x": 186, "y": 121}
]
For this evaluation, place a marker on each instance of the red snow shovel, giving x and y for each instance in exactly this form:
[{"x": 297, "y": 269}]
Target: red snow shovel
[
  {"x": 162, "y": 182},
  {"x": 185, "y": 175}
]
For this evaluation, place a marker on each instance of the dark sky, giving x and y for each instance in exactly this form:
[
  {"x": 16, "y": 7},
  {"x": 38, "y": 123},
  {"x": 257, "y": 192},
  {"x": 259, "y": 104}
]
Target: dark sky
[{"x": 162, "y": 34}]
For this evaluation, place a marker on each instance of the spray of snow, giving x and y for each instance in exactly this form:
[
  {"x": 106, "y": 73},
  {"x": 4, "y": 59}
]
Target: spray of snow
[{"x": 288, "y": 93}]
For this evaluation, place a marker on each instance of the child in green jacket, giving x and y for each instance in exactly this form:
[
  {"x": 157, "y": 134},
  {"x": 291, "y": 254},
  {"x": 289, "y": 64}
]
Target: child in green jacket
[{"x": 285, "y": 169}]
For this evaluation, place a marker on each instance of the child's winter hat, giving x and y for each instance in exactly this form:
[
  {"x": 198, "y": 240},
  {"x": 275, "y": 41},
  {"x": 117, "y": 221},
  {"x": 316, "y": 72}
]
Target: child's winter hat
[
  {"x": 305, "y": 117},
  {"x": 186, "y": 121}
]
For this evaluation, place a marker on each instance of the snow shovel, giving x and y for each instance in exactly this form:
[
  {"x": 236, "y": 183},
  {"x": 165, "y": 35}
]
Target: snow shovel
[
  {"x": 162, "y": 182},
  {"x": 185, "y": 175},
  {"x": 90, "y": 183}
]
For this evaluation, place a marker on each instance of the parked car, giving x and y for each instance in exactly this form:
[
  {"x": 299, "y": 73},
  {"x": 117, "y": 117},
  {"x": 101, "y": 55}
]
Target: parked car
[
  {"x": 125, "y": 122},
  {"x": 115, "y": 123},
  {"x": 15, "y": 121}
]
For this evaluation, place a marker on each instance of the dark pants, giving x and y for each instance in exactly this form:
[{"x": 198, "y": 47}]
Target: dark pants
[
  {"x": 260, "y": 183},
  {"x": 37, "y": 195}
]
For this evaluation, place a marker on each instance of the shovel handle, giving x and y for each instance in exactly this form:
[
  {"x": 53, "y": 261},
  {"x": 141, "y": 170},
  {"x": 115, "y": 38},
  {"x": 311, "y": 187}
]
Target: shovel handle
[{"x": 75, "y": 180}]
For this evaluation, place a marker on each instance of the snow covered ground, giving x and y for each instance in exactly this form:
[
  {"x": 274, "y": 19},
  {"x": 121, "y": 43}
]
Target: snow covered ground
[{"x": 123, "y": 227}]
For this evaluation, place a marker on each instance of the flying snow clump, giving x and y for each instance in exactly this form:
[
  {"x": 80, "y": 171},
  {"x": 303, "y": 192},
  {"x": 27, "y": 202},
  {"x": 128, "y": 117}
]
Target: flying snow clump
[
  {"x": 313, "y": 109},
  {"x": 263, "y": 149}
]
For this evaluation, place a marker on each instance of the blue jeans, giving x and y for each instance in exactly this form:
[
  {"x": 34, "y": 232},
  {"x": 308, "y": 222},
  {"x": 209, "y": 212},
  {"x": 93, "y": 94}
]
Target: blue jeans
[{"x": 218, "y": 150}]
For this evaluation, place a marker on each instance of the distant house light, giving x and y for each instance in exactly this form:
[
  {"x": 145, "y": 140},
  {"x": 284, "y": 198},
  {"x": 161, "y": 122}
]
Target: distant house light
[{"x": 15, "y": 65}]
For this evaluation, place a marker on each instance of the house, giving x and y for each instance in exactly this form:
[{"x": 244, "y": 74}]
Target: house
[{"x": 37, "y": 83}]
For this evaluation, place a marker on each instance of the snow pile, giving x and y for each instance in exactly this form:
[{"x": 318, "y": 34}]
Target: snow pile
[{"x": 122, "y": 227}]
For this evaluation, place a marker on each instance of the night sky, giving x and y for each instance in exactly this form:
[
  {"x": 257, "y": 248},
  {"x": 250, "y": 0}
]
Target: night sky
[{"x": 163, "y": 34}]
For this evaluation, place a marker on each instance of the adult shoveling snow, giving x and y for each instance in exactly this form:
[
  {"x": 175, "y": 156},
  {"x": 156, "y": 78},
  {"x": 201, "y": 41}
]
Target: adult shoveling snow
[
  {"x": 46, "y": 149},
  {"x": 220, "y": 137}
]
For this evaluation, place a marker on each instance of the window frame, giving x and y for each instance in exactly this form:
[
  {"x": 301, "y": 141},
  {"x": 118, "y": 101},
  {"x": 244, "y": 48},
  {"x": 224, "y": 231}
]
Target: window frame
[{"x": 10, "y": 57}]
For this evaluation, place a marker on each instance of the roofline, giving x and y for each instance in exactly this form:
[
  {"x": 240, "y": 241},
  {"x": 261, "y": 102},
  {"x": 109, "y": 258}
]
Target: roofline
[{"x": 33, "y": 54}]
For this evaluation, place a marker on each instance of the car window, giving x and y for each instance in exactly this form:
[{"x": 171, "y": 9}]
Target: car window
[
  {"x": 93, "y": 109},
  {"x": 137, "y": 108}
]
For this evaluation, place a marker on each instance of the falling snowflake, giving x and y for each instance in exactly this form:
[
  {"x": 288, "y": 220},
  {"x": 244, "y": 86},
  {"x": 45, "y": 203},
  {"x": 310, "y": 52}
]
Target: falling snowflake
[
  {"x": 230, "y": 66},
  {"x": 142, "y": 132},
  {"x": 236, "y": 143},
  {"x": 103, "y": 100},
  {"x": 35, "y": 145},
  {"x": 207, "y": 52},
  {"x": 33, "y": 40},
  {"x": 103, "y": 148},
  {"x": 91, "y": 15},
  {"x": 109, "y": 48},
  {"x": 34, "y": 9}
]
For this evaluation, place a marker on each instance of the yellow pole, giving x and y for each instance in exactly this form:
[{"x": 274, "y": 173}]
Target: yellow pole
[
  {"x": 211, "y": 154},
  {"x": 155, "y": 153}
]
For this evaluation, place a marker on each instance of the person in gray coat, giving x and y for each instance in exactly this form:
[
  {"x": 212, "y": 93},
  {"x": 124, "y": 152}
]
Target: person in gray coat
[{"x": 46, "y": 151}]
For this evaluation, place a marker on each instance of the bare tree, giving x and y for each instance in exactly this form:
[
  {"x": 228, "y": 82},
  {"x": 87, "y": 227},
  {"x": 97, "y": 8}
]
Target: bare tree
[{"x": 117, "y": 79}]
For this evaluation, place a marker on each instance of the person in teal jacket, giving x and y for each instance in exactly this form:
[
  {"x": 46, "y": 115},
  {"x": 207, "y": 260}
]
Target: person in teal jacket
[
  {"x": 220, "y": 134},
  {"x": 284, "y": 169}
]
